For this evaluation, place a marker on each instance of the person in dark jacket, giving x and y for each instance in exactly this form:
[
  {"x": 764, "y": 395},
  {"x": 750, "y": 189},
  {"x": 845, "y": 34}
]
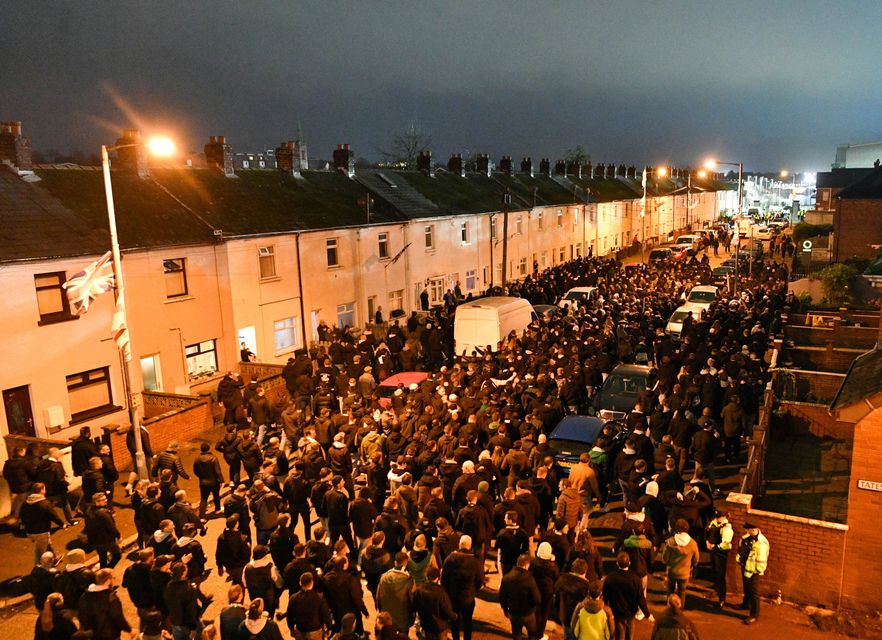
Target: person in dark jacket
[
  {"x": 182, "y": 601},
  {"x": 545, "y": 572},
  {"x": 169, "y": 459},
  {"x": 282, "y": 541},
  {"x": 54, "y": 622},
  {"x": 362, "y": 514},
  {"x": 100, "y": 610},
  {"x": 82, "y": 449},
  {"x": 343, "y": 593},
  {"x": 374, "y": 562},
  {"x": 229, "y": 394},
  {"x": 296, "y": 491},
  {"x": 308, "y": 613},
  {"x": 232, "y": 551},
  {"x": 42, "y": 579},
  {"x": 74, "y": 579},
  {"x": 232, "y": 616},
  {"x": 673, "y": 624},
  {"x": 102, "y": 532},
  {"x": 250, "y": 454},
  {"x": 263, "y": 579},
  {"x": 136, "y": 580},
  {"x": 160, "y": 574},
  {"x": 181, "y": 513},
  {"x": 146, "y": 447},
  {"x": 19, "y": 475},
  {"x": 432, "y": 604},
  {"x": 207, "y": 469},
  {"x": 462, "y": 579},
  {"x": 336, "y": 507},
  {"x": 188, "y": 550},
  {"x": 150, "y": 511},
  {"x": 569, "y": 590},
  {"x": 228, "y": 446},
  {"x": 623, "y": 594},
  {"x": 520, "y": 599},
  {"x": 37, "y": 517},
  {"x": 50, "y": 472},
  {"x": 237, "y": 503}
]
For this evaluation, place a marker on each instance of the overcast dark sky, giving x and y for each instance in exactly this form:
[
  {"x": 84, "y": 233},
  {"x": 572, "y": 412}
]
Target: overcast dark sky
[{"x": 775, "y": 84}]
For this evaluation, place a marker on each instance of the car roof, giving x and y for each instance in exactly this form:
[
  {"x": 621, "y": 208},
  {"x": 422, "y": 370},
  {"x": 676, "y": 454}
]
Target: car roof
[
  {"x": 585, "y": 289},
  {"x": 689, "y": 307},
  {"x": 625, "y": 369},
  {"x": 705, "y": 288},
  {"x": 579, "y": 428},
  {"x": 406, "y": 378},
  {"x": 494, "y": 302}
]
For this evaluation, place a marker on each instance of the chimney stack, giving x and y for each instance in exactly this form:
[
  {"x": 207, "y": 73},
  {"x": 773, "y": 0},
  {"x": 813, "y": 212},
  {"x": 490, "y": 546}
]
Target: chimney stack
[
  {"x": 219, "y": 155},
  {"x": 291, "y": 158},
  {"x": 560, "y": 168},
  {"x": 131, "y": 157},
  {"x": 343, "y": 161},
  {"x": 527, "y": 166},
  {"x": 610, "y": 170},
  {"x": 455, "y": 165},
  {"x": 574, "y": 169},
  {"x": 587, "y": 170},
  {"x": 15, "y": 149},
  {"x": 600, "y": 171},
  {"x": 425, "y": 165},
  {"x": 631, "y": 172},
  {"x": 545, "y": 167},
  {"x": 620, "y": 172},
  {"x": 483, "y": 162},
  {"x": 506, "y": 165}
]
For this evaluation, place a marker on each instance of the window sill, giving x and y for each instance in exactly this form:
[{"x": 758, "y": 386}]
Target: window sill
[
  {"x": 335, "y": 267},
  {"x": 286, "y": 351},
  {"x": 178, "y": 299},
  {"x": 204, "y": 379},
  {"x": 430, "y": 249},
  {"x": 91, "y": 414},
  {"x": 45, "y": 321},
  {"x": 271, "y": 279}
]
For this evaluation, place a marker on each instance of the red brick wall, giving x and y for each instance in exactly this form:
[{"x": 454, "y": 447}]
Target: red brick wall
[
  {"x": 863, "y": 576},
  {"x": 856, "y": 225},
  {"x": 805, "y": 560},
  {"x": 182, "y": 425}
]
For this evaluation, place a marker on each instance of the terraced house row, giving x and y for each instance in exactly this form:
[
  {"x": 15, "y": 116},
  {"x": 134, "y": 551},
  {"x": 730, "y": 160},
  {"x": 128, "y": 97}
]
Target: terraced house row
[{"x": 214, "y": 256}]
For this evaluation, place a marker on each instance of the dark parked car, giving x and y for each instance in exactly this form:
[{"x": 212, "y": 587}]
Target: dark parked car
[
  {"x": 573, "y": 436},
  {"x": 619, "y": 392},
  {"x": 721, "y": 273},
  {"x": 658, "y": 255}
]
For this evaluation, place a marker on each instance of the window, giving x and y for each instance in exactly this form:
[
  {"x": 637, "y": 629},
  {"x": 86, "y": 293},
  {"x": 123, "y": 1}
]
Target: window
[
  {"x": 493, "y": 228},
  {"x": 429, "y": 232},
  {"x": 346, "y": 315},
  {"x": 541, "y": 221},
  {"x": 562, "y": 254},
  {"x": 201, "y": 358},
  {"x": 559, "y": 218},
  {"x": 267, "y": 257},
  {"x": 286, "y": 333},
  {"x": 471, "y": 280},
  {"x": 396, "y": 300},
  {"x": 175, "y": 270},
  {"x": 519, "y": 225},
  {"x": 578, "y": 249},
  {"x": 51, "y": 298},
  {"x": 89, "y": 394},
  {"x": 383, "y": 245},
  {"x": 486, "y": 274},
  {"x": 372, "y": 308},
  {"x": 331, "y": 245},
  {"x": 575, "y": 216},
  {"x": 464, "y": 232},
  {"x": 522, "y": 266},
  {"x": 544, "y": 261}
]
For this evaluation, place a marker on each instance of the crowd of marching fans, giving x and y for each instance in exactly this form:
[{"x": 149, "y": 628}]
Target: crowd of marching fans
[{"x": 337, "y": 502}]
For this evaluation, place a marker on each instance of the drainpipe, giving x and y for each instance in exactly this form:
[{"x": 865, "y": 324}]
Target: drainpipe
[{"x": 300, "y": 287}]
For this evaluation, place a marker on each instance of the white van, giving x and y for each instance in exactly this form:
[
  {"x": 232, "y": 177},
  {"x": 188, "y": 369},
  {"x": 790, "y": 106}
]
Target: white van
[
  {"x": 578, "y": 297},
  {"x": 688, "y": 239},
  {"x": 488, "y": 321}
]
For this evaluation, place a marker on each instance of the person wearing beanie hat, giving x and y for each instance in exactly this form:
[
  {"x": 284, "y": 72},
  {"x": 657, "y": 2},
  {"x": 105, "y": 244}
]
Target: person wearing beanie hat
[
  {"x": 680, "y": 557},
  {"x": 545, "y": 572},
  {"x": 74, "y": 579},
  {"x": 462, "y": 578}
]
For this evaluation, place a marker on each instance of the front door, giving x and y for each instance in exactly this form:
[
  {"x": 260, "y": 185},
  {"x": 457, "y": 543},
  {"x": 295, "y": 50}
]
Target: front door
[{"x": 19, "y": 415}]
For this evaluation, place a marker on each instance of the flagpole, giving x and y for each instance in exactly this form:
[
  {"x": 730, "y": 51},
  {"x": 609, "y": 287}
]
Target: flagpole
[{"x": 119, "y": 291}]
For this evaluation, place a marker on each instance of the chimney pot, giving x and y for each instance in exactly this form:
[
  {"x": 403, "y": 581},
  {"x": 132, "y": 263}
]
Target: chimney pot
[
  {"x": 219, "y": 155},
  {"x": 14, "y": 148},
  {"x": 343, "y": 160}
]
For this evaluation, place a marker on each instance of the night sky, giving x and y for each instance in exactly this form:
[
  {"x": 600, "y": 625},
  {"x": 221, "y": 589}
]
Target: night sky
[{"x": 775, "y": 84}]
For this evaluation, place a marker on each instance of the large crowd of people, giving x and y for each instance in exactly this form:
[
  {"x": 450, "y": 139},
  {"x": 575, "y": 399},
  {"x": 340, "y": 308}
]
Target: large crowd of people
[{"x": 339, "y": 500}]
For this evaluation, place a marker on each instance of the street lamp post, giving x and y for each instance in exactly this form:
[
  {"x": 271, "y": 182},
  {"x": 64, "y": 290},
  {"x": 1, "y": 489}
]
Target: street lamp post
[
  {"x": 159, "y": 147},
  {"x": 711, "y": 164}
]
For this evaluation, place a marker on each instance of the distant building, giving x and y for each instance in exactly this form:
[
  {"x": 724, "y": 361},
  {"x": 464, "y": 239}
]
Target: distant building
[
  {"x": 857, "y": 156},
  {"x": 830, "y": 183},
  {"x": 255, "y": 160},
  {"x": 857, "y": 222}
]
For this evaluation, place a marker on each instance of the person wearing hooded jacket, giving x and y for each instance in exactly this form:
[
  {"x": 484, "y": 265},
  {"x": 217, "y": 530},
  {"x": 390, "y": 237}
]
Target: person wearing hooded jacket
[
  {"x": 672, "y": 624},
  {"x": 258, "y": 624},
  {"x": 545, "y": 572},
  {"x": 100, "y": 610},
  {"x": 591, "y": 618},
  {"x": 520, "y": 599},
  {"x": 569, "y": 590},
  {"x": 680, "y": 557},
  {"x": 394, "y": 593},
  {"x": 38, "y": 516}
]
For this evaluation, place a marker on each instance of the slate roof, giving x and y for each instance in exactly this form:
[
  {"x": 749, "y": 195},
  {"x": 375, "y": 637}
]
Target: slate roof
[
  {"x": 863, "y": 379},
  {"x": 26, "y": 206},
  {"x": 867, "y": 188},
  {"x": 397, "y": 192}
]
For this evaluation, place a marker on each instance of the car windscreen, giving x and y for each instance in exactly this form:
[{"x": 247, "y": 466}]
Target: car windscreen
[
  {"x": 575, "y": 295},
  {"x": 702, "y": 296},
  {"x": 569, "y": 447},
  {"x": 679, "y": 316},
  {"x": 629, "y": 385},
  {"x": 386, "y": 392}
]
